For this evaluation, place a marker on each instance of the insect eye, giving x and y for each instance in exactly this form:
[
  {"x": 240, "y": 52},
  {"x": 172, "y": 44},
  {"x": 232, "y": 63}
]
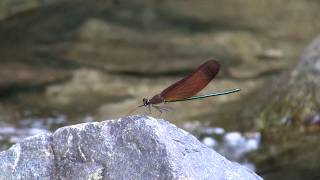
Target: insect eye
[{"x": 145, "y": 101}]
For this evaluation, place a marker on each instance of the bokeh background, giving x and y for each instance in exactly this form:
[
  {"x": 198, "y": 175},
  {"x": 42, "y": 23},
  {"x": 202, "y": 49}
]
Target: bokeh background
[{"x": 67, "y": 62}]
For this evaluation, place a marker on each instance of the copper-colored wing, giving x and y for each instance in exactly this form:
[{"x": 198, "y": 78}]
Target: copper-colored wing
[{"x": 193, "y": 83}]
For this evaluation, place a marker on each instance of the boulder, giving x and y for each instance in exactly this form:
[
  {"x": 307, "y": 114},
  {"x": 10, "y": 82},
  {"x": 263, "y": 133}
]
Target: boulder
[
  {"x": 33, "y": 158},
  {"x": 310, "y": 59},
  {"x": 293, "y": 98},
  {"x": 289, "y": 119},
  {"x": 135, "y": 147}
]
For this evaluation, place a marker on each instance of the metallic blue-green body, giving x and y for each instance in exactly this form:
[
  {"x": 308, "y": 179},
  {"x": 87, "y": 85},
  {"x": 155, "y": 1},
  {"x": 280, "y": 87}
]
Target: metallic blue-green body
[{"x": 205, "y": 95}]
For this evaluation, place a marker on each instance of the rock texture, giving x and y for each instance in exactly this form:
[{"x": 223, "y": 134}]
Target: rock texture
[
  {"x": 310, "y": 60},
  {"x": 32, "y": 158},
  {"x": 290, "y": 119},
  {"x": 294, "y": 98},
  {"x": 136, "y": 147}
]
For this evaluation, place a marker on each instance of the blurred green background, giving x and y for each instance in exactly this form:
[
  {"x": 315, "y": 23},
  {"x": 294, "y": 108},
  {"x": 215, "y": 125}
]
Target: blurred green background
[{"x": 66, "y": 62}]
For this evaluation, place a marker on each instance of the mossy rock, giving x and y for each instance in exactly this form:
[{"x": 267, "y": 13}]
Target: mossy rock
[
  {"x": 287, "y": 116},
  {"x": 295, "y": 97}
]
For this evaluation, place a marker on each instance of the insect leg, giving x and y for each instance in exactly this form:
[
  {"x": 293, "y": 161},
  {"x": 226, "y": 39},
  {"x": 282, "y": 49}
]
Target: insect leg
[
  {"x": 149, "y": 108},
  {"x": 158, "y": 108},
  {"x": 165, "y": 108}
]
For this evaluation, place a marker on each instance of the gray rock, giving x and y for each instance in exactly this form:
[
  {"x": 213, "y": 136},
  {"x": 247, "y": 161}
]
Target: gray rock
[
  {"x": 136, "y": 147},
  {"x": 292, "y": 98},
  {"x": 32, "y": 158},
  {"x": 289, "y": 108},
  {"x": 310, "y": 59}
]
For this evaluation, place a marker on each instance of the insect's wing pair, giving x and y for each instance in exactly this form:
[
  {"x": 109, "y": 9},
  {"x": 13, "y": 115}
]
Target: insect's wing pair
[{"x": 193, "y": 83}]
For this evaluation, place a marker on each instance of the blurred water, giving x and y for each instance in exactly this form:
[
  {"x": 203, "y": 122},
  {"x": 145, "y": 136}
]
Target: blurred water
[
  {"x": 13, "y": 133},
  {"x": 235, "y": 146},
  {"x": 10, "y": 135}
]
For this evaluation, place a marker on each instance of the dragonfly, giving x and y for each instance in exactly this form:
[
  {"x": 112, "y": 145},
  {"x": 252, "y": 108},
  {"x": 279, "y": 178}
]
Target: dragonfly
[{"x": 187, "y": 88}]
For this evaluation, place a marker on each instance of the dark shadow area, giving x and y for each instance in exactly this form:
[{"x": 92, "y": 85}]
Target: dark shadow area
[{"x": 9, "y": 91}]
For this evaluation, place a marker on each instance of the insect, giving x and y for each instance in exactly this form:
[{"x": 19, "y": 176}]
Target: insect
[{"x": 187, "y": 88}]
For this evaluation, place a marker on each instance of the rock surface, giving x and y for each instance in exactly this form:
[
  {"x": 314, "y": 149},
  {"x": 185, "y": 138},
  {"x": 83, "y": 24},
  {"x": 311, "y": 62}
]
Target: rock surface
[
  {"x": 288, "y": 114},
  {"x": 136, "y": 147},
  {"x": 32, "y": 158},
  {"x": 294, "y": 98},
  {"x": 310, "y": 60}
]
